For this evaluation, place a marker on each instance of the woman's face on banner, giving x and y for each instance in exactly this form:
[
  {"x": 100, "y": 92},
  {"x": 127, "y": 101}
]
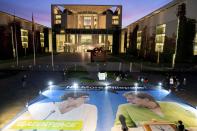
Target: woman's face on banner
[
  {"x": 136, "y": 101},
  {"x": 81, "y": 100},
  {"x": 76, "y": 101}
]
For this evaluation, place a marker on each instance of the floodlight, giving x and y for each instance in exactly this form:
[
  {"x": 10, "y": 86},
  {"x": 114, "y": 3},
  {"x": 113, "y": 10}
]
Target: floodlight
[
  {"x": 136, "y": 84},
  {"x": 75, "y": 85},
  {"x": 50, "y": 83},
  {"x": 160, "y": 84}
]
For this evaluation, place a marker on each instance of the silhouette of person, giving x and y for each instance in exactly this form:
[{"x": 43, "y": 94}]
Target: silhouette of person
[
  {"x": 24, "y": 81},
  {"x": 180, "y": 126}
]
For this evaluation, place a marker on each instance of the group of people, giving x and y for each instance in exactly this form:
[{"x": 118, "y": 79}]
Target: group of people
[
  {"x": 173, "y": 83},
  {"x": 120, "y": 75},
  {"x": 143, "y": 80},
  {"x": 24, "y": 80}
]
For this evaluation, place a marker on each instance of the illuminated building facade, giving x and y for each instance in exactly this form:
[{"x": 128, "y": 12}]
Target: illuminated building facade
[
  {"x": 16, "y": 32},
  {"x": 165, "y": 34},
  {"x": 78, "y": 28}
]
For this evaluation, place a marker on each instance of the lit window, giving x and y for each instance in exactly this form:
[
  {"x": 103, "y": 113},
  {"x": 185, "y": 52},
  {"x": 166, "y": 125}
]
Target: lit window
[
  {"x": 139, "y": 39},
  {"x": 87, "y": 21},
  {"x": 62, "y": 31},
  {"x": 86, "y": 39},
  {"x": 24, "y": 38},
  {"x": 57, "y": 21},
  {"x": 160, "y": 37},
  {"x": 195, "y": 45},
  {"x": 57, "y": 17},
  {"x": 115, "y": 20},
  {"x": 115, "y": 17},
  {"x": 42, "y": 39},
  {"x": 55, "y": 11}
]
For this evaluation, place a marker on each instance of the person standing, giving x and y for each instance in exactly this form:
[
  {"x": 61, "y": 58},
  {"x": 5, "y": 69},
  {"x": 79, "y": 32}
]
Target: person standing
[
  {"x": 145, "y": 82},
  {"x": 184, "y": 81},
  {"x": 180, "y": 126},
  {"x": 24, "y": 81},
  {"x": 177, "y": 87},
  {"x": 171, "y": 82}
]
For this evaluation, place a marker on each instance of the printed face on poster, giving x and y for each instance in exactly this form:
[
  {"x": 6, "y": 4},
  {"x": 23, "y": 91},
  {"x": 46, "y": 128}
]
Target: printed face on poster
[{"x": 87, "y": 110}]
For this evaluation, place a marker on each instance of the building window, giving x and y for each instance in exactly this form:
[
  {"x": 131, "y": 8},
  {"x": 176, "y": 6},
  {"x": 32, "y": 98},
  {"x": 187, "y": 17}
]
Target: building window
[
  {"x": 60, "y": 40},
  {"x": 58, "y": 19},
  {"x": 115, "y": 20},
  {"x": 42, "y": 39},
  {"x": 160, "y": 37},
  {"x": 86, "y": 39},
  {"x": 195, "y": 45},
  {"x": 24, "y": 38},
  {"x": 57, "y": 16},
  {"x": 139, "y": 39},
  {"x": 55, "y": 11},
  {"x": 87, "y": 22}
]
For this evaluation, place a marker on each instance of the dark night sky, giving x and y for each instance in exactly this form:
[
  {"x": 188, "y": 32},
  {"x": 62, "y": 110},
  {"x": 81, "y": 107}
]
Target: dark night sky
[{"x": 132, "y": 9}]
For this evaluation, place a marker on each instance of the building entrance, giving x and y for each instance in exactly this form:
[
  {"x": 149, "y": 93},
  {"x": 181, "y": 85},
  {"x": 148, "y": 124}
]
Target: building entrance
[{"x": 82, "y": 42}]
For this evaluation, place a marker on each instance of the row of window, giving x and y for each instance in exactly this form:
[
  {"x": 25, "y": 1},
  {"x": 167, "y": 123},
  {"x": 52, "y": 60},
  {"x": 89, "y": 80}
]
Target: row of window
[
  {"x": 87, "y": 20},
  {"x": 24, "y": 38},
  {"x": 160, "y": 39}
]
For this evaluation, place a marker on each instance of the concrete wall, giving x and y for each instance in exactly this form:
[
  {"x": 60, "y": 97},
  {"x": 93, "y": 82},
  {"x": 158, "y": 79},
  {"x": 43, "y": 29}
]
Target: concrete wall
[
  {"x": 148, "y": 24},
  {"x": 166, "y": 16},
  {"x": 191, "y": 9},
  {"x": 109, "y": 19},
  {"x": 102, "y": 22},
  {"x": 71, "y": 21}
]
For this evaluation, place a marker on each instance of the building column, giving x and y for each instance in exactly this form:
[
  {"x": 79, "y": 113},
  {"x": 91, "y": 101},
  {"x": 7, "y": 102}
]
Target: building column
[
  {"x": 102, "y": 38},
  {"x": 106, "y": 42},
  {"x": 76, "y": 45}
]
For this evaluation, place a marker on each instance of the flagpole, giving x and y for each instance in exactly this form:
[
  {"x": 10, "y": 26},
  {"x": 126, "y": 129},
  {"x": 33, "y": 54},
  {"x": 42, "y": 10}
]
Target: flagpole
[
  {"x": 34, "y": 50},
  {"x": 33, "y": 40},
  {"x": 52, "y": 61},
  {"x": 13, "y": 48},
  {"x": 15, "y": 40}
]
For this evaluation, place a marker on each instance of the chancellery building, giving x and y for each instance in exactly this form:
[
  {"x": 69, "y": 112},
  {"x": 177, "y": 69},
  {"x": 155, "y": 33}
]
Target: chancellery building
[
  {"x": 78, "y": 28},
  {"x": 164, "y": 35}
]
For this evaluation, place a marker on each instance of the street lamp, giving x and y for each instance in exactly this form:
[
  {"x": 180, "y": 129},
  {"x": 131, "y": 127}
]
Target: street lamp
[
  {"x": 75, "y": 85},
  {"x": 136, "y": 86},
  {"x": 160, "y": 84},
  {"x": 106, "y": 86},
  {"x": 50, "y": 83}
]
